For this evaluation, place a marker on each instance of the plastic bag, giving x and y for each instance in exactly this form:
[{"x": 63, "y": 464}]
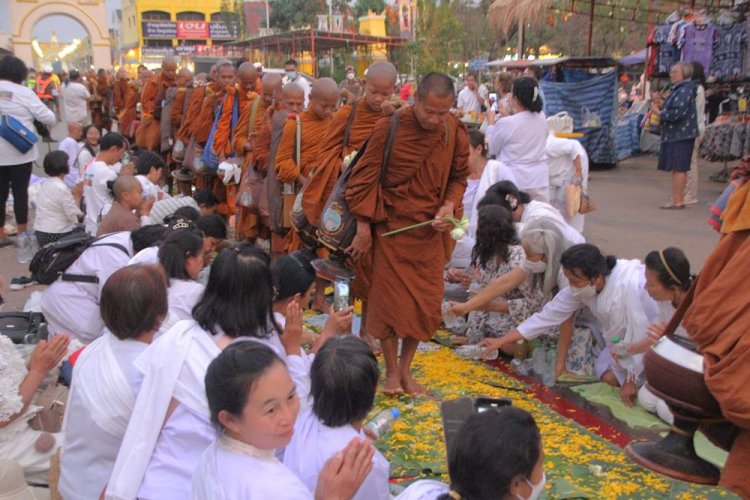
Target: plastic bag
[
  {"x": 561, "y": 123},
  {"x": 590, "y": 119}
]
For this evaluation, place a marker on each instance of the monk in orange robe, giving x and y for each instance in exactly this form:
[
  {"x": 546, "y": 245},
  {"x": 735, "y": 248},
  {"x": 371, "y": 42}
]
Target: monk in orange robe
[
  {"x": 425, "y": 180},
  {"x": 245, "y": 138},
  {"x": 314, "y": 124},
  {"x": 148, "y": 135},
  {"x": 184, "y": 86},
  {"x": 195, "y": 101},
  {"x": 129, "y": 113},
  {"x": 120, "y": 91},
  {"x": 717, "y": 320}
]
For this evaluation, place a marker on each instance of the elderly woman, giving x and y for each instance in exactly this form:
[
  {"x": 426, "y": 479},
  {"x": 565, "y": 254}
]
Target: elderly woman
[
  {"x": 679, "y": 128},
  {"x": 568, "y": 164}
]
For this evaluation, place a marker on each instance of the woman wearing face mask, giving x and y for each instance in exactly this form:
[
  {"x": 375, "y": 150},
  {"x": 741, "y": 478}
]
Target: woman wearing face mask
[
  {"x": 254, "y": 404},
  {"x": 498, "y": 455},
  {"x": 613, "y": 291},
  {"x": 497, "y": 253}
]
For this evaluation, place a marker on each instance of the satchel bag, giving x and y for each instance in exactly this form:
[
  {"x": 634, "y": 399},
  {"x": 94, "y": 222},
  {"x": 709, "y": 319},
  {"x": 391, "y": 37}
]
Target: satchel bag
[
  {"x": 337, "y": 224},
  {"x": 577, "y": 201},
  {"x": 17, "y": 134},
  {"x": 251, "y": 183},
  {"x": 52, "y": 401},
  {"x": 288, "y": 196},
  {"x": 307, "y": 232}
]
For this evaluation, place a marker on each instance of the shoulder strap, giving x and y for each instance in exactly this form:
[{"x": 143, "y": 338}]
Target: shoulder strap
[
  {"x": 349, "y": 123},
  {"x": 253, "y": 115},
  {"x": 82, "y": 278},
  {"x": 298, "y": 141},
  {"x": 388, "y": 147}
]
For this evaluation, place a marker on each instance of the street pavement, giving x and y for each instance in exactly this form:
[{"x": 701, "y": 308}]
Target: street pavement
[{"x": 627, "y": 222}]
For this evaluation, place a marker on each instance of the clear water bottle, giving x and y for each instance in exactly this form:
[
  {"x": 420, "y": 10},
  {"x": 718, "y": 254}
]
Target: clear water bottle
[
  {"x": 24, "y": 248},
  {"x": 538, "y": 360},
  {"x": 475, "y": 351},
  {"x": 523, "y": 367},
  {"x": 382, "y": 422},
  {"x": 548, "y": 377},
  {"x": 622, "y": 356},
  {"x": 449, "y": 317}
]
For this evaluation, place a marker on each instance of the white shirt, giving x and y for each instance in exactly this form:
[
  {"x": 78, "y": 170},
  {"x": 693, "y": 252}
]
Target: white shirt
[
  {"x": 302, "y": 82},
  {"x": 95, "y": 192},
  {"x": 519, "y": 142},
  {"x": 313, "y": 443},
  {"x": 75, "y": 99},
  {"x": 231, "y": 470},
  {"x": 148, "y": 256},
  {"x": 21, "y": 103},
  {"x": 73, "y": 307},
  {"x": 561, "y": 153},
  {"x": 150, "y": 189},
  {"x": 71, "y": 148},
  {"x": 56, "y": 209},
  {"x": 468, "y": 100},
  {"x": 182, "y": 297},
  {"x": 83, "y": 161},
  {"x": 424, "y": 489},
  {"x": 87, "y": 446},
  {"x": 493, "y": 173},
  {"x": 540, "y": 210}
]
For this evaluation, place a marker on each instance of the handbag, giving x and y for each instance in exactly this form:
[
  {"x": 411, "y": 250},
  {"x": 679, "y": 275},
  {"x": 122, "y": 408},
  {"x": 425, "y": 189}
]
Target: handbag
[
  {"x": 590, "y": 119},
  {"x": 52, "y": 401},
  {"x": 577, "y": 201},
  {"x": 17, "y": 134},
  {"x": 337, "y": 224},
  {"x": 251, "y": 183},
  {"x": 306, "y": 230}
]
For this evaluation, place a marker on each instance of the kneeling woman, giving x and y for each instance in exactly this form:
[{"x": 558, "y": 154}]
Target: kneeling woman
[
  {"x": 182, "y": 256},
  {"x": 254, "y": 405},
  {"x": 613, "y": 290}
]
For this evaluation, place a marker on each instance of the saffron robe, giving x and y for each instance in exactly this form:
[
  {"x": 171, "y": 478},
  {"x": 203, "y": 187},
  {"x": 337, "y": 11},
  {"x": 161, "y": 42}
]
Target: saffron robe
[
  {"x": 717, "y": 320},
  {"x": 195, "y": 101},
  {"x": 313, "y": 132},
  {"x": 426, "y": 169},
  {"x": 129, "y": 112}
]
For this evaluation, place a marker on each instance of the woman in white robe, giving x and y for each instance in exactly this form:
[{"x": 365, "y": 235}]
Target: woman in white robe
[
  {"x": 182, "y": 256},
  {"x": 254, "y": 404},
  {"x": 106, "y": 381},
  {"x": 568, "y": 164},
  {"x": 613, "y": 290},
  {"x": 344, "y": 379},
  {"x": 171, "y": 427}
]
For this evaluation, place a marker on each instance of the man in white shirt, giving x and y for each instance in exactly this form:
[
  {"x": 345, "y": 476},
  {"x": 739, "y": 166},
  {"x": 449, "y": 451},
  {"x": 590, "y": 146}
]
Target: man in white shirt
[
  {"x": 71, "y": 147},
  {"x": 103, "y": 170},
  {"x": 471, "y": 98},
  {"x": 292, "y": 75},
  {"x": 149, "y": 169},
  {"x": 75, "y": 99}
]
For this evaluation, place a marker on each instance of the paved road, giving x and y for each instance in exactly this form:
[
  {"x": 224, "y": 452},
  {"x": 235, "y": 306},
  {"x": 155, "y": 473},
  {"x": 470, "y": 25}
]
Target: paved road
[{"x": 627, "y": 222}]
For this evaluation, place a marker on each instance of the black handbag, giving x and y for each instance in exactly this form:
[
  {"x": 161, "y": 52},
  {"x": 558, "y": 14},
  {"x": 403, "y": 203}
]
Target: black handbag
[{"x": 22, "y": 327}]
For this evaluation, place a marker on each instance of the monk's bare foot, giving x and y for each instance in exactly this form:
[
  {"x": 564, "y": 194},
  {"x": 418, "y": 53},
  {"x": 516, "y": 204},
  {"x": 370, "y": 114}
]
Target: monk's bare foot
[
  {"x": 459, "y": 340},
  {"x": 411, "y": 386},
  {"x": 393, "y": 385}
]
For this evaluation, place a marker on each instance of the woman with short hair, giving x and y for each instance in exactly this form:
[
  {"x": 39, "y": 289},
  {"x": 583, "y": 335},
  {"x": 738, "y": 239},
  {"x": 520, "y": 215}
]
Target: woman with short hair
[
  {"x": 57, "y": 212},
  {"x": 19, "y": 102}
]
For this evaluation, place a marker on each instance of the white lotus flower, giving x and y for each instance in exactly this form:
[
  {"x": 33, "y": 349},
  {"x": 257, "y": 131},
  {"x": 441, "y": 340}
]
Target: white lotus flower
[{"x": 458, "y": 234}]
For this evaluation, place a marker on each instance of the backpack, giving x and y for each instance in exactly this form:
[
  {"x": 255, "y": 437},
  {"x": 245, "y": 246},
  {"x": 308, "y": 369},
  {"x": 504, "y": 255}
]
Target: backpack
[
  {"x": 337, "y": 224},
  {"x": 51, "y": 261},
  {"x": 308, "y": 232}
]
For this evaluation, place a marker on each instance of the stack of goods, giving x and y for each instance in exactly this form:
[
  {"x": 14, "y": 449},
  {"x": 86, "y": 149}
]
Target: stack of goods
[{"x": 728, "y": 138}]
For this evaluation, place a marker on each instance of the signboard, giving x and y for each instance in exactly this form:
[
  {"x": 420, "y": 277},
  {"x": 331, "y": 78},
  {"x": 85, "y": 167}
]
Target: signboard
[
  {"x": 165, "y": 30},
  {"x": 157, "y": 51},
  {"x": 192, "y": 30},
  {"x": 185, "y": 50},
  {"x": 188, "y": 30},
  {"x": 209, "y": 51}
]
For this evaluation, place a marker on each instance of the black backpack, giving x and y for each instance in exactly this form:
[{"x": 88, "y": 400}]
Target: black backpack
[{"x": 50, "y": 262}]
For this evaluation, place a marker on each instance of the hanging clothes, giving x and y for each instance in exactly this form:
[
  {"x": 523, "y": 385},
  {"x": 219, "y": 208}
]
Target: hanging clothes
[
  {"x": 698, "y": 44},
  {"x": 726, "y": 62}
]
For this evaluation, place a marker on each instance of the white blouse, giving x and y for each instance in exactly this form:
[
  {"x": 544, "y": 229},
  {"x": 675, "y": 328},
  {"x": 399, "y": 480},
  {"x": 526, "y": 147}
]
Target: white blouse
[
  {"x": 56, "y": 209},
  {"x": 519, "y": 142}
]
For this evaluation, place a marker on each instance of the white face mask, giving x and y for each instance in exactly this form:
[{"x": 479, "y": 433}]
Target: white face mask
[
  {"x": 350, "y": 76},
  {"x": 291, "y": 75},
  {"x": 531, "y": 266},
  {"x": 536, "y": 489},
  {"x": 585, "y": 292}
]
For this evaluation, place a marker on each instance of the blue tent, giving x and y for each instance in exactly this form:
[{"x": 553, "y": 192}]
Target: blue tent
[
  {"x": 633, "y": 59},
  {"x": 598, "y": 94}
]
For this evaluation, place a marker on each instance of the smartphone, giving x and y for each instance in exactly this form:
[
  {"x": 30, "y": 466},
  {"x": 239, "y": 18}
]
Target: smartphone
[
  {"x": 340, "y": 294},
  {"x": 493, "y": 97},
  {"x": 483, "y": 404},
  {"x": 455, "y": 412}
]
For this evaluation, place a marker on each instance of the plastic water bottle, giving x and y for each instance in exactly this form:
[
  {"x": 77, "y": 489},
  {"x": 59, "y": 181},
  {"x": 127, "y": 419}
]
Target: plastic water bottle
[
  {"x": 382, "y": 422},
  {"x": 621, "y": 354},
  {"x": 24, "y": 248},
  {"x": 538, "y": 360},
  {"x": 523, "y": 367},
  {"x": 474, "y": 351},
  {"x": 449, "y": 317},
  {"x": 548, "y": 377}
]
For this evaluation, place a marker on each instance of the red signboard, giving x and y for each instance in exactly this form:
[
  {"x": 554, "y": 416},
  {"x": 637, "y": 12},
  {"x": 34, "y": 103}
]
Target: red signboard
[{"x": 192, "y": 30}]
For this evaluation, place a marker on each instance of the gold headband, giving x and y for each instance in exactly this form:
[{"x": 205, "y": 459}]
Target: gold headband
[{"x": 669, "y": 270}]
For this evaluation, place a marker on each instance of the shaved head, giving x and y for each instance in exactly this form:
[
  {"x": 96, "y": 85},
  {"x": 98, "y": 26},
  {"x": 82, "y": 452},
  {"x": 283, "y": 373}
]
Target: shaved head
[
  {"x": 184, "y": 77},
  {"x": 272, "y": 83},
  {"x": 169, "y": 68},
  {"x": 227, "y": 73},
  {"x": 435, "y": 83},
  {"x": 293, "y": 97},
  {"x": 125, "y": 184},
  {"x": 247, "y": 76},
  {"x": 75, "y": 130},
  {"x": 324, "y": 95},
  {"x": 380, "y": 84},
  {"x": 434, "y": 99}
]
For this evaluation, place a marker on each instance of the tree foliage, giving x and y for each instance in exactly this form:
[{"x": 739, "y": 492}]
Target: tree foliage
[
  {"x": 288, "y": 13},
  {"x": 362, "y": 7}
]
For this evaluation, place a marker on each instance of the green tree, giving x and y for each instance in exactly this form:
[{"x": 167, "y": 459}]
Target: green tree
[
  {"x": 361, "y": 7},
  {"x": 288, "y": 13},
  {"x": 233, "y": 15},
  {"x": 437, "y": 30}
]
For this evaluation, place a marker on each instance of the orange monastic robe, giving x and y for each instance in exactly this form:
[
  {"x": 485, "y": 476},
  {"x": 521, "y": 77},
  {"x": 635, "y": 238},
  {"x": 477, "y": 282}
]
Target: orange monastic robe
[
  {"x": 332, "y": 153},
  {"x": 195, "y": 101},
  {"x": 425, "y": 170},
  {"x": 178, "y": 107},
  {"x": 129, "y": 113},
  {"x": 717, "y": 320},
  {"x": 313, "y": 132},
  {"x": 205, "y": 117},
  {"x": 120, "y": 93}
]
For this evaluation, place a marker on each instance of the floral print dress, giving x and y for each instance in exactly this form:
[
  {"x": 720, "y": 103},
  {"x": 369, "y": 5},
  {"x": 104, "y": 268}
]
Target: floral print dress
[{"x": 522, "y": 302}]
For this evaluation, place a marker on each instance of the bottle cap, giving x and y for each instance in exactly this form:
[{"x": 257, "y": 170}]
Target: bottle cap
[
  {"x": 395, "y": 413},
  {"x": 616, "y": 340}
]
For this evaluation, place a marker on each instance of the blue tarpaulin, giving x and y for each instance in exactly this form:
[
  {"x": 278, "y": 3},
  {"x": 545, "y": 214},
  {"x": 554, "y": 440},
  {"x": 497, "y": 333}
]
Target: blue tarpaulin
[{"x": 599, "y": 95}]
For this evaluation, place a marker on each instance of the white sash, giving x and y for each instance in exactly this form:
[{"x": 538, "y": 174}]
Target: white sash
[
  {"x": 105, "y": 392},
  {"x": 173, "y": 366}
]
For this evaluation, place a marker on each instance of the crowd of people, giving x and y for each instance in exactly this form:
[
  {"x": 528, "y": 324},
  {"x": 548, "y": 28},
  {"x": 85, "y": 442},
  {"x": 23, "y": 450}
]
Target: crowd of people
[{"x": 193, "y": 375}]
